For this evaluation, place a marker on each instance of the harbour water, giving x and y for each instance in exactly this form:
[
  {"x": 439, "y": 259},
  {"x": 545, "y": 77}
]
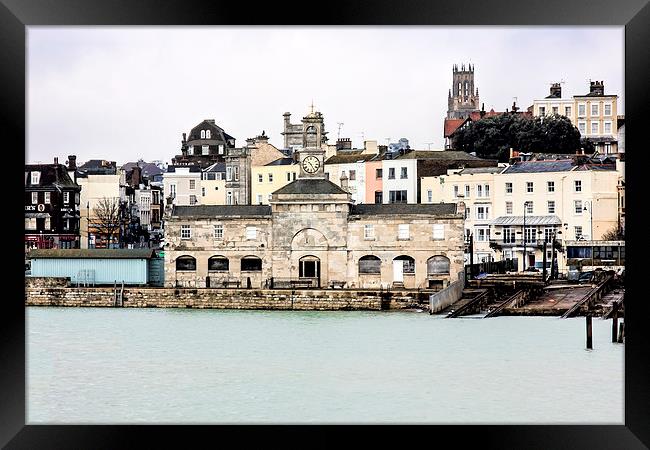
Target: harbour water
[{"x": 167, "y": 366}]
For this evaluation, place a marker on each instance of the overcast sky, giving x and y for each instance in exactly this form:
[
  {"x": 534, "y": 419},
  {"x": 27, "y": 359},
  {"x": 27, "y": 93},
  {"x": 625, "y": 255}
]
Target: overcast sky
[{"x": 123, "y": 93}]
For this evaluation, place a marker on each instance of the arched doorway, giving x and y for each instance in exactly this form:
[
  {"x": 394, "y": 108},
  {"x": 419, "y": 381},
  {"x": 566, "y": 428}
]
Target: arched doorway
[
  {"x": 309, "y": 269},
  {"x": 403, "y": 264}
]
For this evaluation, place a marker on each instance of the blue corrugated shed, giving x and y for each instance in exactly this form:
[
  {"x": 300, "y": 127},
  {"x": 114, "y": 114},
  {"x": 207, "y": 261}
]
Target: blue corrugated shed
[{"x": 93, "y": 266}]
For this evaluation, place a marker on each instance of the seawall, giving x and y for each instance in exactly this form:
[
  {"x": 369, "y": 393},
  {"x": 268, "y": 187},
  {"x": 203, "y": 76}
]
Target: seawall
[{"x": 57, "y": 292}]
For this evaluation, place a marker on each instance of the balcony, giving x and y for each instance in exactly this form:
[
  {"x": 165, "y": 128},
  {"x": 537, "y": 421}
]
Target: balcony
[{"x": 520, "y": 243}]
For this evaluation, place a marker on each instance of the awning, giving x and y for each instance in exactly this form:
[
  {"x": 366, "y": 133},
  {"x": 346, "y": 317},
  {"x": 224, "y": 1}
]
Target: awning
[
  {"x": 38, "y": 215},
  {"x": 530, "y": 220}
]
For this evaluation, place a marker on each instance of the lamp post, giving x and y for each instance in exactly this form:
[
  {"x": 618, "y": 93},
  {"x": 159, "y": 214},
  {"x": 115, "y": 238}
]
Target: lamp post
[
  {"x": 88, "y": 223},
  {"x": 524, "y": 234},
  {"x": 591, "y": 227}
]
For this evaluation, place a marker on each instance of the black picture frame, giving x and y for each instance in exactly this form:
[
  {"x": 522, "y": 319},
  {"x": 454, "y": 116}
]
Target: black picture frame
[{"x": 634, "y": 15}]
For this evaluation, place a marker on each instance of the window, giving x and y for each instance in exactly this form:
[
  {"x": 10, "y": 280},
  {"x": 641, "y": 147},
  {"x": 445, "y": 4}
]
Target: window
[
  {"x": 270, "y": 196},
  {"x": 47, "y": 198},
  {"x": 236, "y": 197},
  {"x": 577, "y": 206},
  {"x": 555, "y": 110},
  {"x": 270, "y": 178},
  {"x": 208, "y": 134},
  {"x": 379, "y": 197},
  {"x": 467, "y": 191},
  {"x": 479, "y": 190},
  {"x": 378, "y": 174},
  {"x": 36, "y": 177},
  {"x": 467, "y": 213},
  {"x": 594, "y": 127},
  {"x": 294, "y": 176},
  {"x": 577, "y": 184},
  {"x": 582, "y": 127},
  {"x": 369, "y": 265},
  {"x": 438, "y": 231},
  {"x": 190, "y": 150},
  {"x": 251, "y": 264},
  {"x": 403, "y": 231},
  {"x": 582, "y": 110},
  {"x": 529, "y": 186},
  {"x": 548, "y": 234},
  {"x": 567, "y": 111},
  {"x": 368, "y": 232},
  {"x": 192, "y": 184},
  {"x": 508, "y": 235},
  {"x": 529, "y": 207},
  {"x": 218, "y": 263},
  {"x": 34, "y": 198},
  {"x": 202, "y": 134},
  {"x": 404, "y": 173},
  {"x": 429, "y": 196},
  {"x": 66, "y": 224},
  {"x": 397, "y": 197},
  {"x": 530, "y": 233},
  {"x": 551, "y": 206},
  {"x": 218, "y": 231},
  {"x": 288, "y": 176},
  {"x": 203, "y": 192},
  {"x": 186, "y": 232},
  {"x": 205, "y": 149},
  {"x": 542, "y": 111},
  {"x": 353, "y": 175},
  {"x": 482, "y": 234},
  {"x": 66, "y": 198},
  {"x": 508, "y": 188},
  {"x": 259, "y": 199},
  {"x": 228, "y": 173},
  {"x": 221, "y": 149},
  {"x": 30, "y": 223},
  {"x": 185, "y": 263},
  {"x": 607, "y": 128},
  {"x": 594, "y": 109},
  {"x": 172, "y": 190},
  {"x": 608, "y": 148},
  {"x": 260, "y": 178},
  {"x": 192, "y": 199},
  {"x": 408, "y": 264},
  {"x": 487, "y": 190},
  {"x": 608, "y": 109},
  {"x": 391, "y": 173},
  {"x": 235, "y": 173},
  {"x": 482, "y": 212},
  {"x": 251, "y": 233},
  {"x": 508, "y": 207},
  {"x": 455, "y": 190},
  {"x": 550, "y": 186},
  {"x": 47, "y": 223},
  {"x": 578, "y": 232}
]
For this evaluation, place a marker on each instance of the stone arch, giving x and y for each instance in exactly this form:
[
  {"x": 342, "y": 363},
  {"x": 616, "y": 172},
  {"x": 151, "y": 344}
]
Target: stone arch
[
  {"x": 437, "y": 265},
  {"x": 408, "y": 261},
  {"x": 186, "y": 263},
  {"x": 218, "y": 263},
  {"x": 309, "y": 239},
  {"x": 370, "y": 264}
]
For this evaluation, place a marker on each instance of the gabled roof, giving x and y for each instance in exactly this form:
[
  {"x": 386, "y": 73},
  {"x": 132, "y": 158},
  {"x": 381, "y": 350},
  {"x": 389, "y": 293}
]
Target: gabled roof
[
  {"x": 149, "y": 169},
  {"x": 282, "y": 162},
  {"x": 452, "y": 125},
  {"x": 52, "y": 175},
  {"x": 563, "y": 165},
  {"x": 216, "y": 167},
  {"x": 396, "y": 209},
  {"x": 310, "y": 186},
  {"x": 117, "y": 253},
  {"x": 215, "y": 211}
]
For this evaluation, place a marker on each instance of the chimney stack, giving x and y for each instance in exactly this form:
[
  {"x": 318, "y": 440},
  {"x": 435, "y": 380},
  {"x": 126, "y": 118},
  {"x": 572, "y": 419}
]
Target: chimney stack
[
  {"x": 56, "y": 160},
  {"x": 72, "y": 162},
  {"x": 556, "y": 90},
  {"x": 597, "y": 88},
  {"x": 344, "y": 182},
  {"x": 460, "y": 205}
]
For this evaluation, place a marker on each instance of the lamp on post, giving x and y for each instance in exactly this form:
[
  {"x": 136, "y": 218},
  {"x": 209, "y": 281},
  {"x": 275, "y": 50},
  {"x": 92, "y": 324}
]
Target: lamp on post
[
  {"x": 88, "y": 223},
  {"x": 524, "y": 234}
]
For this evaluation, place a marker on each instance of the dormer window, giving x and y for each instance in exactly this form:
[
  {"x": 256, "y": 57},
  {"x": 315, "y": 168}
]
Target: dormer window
[
  {"x": 207, "y": 134},
  {"x": 36, "y": 177},
  {"x": 202, "y": 134}
]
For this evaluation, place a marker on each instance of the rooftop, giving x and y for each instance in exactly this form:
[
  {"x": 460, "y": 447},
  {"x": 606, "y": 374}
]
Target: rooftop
[
  {"x": 434, "y": 209},
  {"x": 530, "y": 220},
  {"x": 122, "y": 253},
  {"x": 445, "y": 155},
  {"x": 282, "y": 162},
  {"x": 310, "y": 186},
  {"x": 222, "y": 210}
]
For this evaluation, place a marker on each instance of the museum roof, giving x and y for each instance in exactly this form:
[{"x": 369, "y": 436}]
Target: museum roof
[
  {"x": 435, "y": 209},
  {"x": 530, "y": 220},
  {"x": 221, "y": 210},
  {"x": 117, "y": 253},
  {"x": 310, "y": 186}
]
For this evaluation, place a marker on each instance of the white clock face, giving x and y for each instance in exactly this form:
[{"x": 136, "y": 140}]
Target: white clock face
[{"x": 310, "y": 164}]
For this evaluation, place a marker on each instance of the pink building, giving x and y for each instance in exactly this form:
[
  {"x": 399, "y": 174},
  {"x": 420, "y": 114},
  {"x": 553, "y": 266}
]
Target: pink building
[{"x": 374, "y": 181}]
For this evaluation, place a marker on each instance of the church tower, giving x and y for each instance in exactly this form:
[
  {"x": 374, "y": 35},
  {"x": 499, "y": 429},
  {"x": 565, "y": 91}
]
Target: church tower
[{"x": 463, "y": 99}]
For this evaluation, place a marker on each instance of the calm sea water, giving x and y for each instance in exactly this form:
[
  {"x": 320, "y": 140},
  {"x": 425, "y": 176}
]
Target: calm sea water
[{"x": 99, "y": 365}]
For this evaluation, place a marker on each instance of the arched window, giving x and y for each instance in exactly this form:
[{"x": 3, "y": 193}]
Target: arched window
[
  {"x": 466, "y": 88},
  {"x": 218, "y": 263},
  {"x": 185, "y": 263},
  {"x": 437, "y": 264},
  {"x": 202, "y": 134},
  {"x": 251, "y": 264},
  {"x": 207, "y": 134},
  {"x": 408, "y": 262},
  {"x": 369, "y": 264}
]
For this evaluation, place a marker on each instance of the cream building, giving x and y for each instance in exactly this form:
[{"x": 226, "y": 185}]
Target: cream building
[
  {"x": 269, "y": 178},
  {"x": 213, "y": 185},
  {"x": 475, "y": 187},
  {"x": 312, "y": 233},
  {"x": 94, "y": 188},
  {"x": 183, "y": 184}
]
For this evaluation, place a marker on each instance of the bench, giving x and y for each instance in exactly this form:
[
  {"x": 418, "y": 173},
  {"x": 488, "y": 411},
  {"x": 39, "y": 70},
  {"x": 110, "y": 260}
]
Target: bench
[
  {"x": 300, "y": 283},
  {"x": 231, "y": 283},
  {"x": 337, "y": 284}
]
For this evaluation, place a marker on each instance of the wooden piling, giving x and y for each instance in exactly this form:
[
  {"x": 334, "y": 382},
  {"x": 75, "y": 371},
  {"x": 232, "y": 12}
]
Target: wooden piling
[
  {"x": 621, "y": 332},
  {"x": 589, "y": 340},
  {"x": 615, "y": 322}
]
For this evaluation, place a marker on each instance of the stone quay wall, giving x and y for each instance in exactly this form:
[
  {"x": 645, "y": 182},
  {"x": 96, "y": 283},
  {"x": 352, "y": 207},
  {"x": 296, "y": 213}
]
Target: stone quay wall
[{"x": 39, "y": 292}]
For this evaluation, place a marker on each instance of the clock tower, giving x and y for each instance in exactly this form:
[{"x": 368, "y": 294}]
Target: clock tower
[{"x": 311, "y": 162}]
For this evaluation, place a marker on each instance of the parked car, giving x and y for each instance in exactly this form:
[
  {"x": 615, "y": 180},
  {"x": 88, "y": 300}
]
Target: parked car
[{"x": 585, "y": 277}]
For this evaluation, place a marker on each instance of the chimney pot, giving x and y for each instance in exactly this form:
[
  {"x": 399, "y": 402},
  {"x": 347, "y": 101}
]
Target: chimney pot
[{"x": 56, "y": 160}]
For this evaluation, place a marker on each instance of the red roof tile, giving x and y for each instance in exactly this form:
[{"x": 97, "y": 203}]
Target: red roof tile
[{"x": 452, "y": 125}]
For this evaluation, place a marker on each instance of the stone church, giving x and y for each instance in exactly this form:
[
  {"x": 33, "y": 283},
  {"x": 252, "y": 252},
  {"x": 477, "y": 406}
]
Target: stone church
[
  {"x": 313, "y": 235},
  {"x": 463, "y": 99}
]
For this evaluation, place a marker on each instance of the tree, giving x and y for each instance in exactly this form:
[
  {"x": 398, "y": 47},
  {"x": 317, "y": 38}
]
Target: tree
[
  {"x": 107, "y": 218},
  {"x": 493, "y": 137},
  {"x": 614, "y": 234}
]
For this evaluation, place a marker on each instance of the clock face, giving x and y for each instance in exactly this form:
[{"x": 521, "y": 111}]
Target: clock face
[{"x": 310, "y": 164}]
